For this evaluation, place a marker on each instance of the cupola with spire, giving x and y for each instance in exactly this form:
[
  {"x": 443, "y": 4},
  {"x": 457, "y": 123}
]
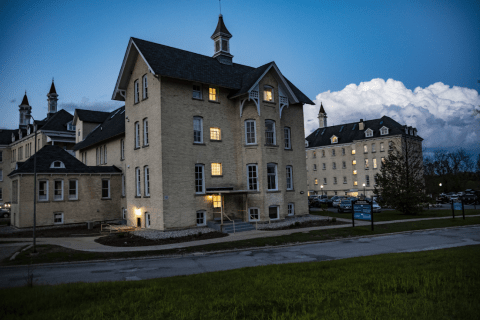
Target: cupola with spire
[
  {"x": 52, "y": 100},
  {"x": 25, "y": 112},
  {"x": 221, "y": 37},
  {"x": 322, "y": 117}
]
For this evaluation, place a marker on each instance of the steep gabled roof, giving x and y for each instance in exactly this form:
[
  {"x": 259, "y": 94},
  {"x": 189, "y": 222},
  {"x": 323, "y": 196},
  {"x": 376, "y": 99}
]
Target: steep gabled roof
[
  {"x": 90, "y": 115},
  {"x": 349, "y": 132},
  {"x": 221, "y": 29},
  {"x": 112, "y": 126},
  {"x": 57, "y": 122},
  {"x": 180, "y": 64},
  {"x": 52, "y": 88},
  {"x": 6, "y": 135},
  {"x": 25, "y": 100},
  {"x": 49, "y": 154}
]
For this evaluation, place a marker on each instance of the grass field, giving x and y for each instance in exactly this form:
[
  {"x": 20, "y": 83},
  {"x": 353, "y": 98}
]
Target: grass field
[
  {"x": 390, "y": 215},
  {"x": 440, "y": 284},
  {"x": 51, "y": 254}
]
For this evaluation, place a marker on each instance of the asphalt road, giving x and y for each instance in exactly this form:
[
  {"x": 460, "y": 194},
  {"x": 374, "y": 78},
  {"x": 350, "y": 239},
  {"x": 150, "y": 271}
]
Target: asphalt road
[{"x": 199, "y": 263}]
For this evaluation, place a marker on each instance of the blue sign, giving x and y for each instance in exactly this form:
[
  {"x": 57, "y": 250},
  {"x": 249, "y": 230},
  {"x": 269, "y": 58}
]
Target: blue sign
[
  {"x": 457, "y": 206},
  {"x": 362, "y": 211}
]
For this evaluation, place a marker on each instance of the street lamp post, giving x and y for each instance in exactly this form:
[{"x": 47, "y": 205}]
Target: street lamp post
[
  {"x": 364, "y": 195},
  {"x": 322, "y": 188},
  {"x": 34, "y": 188}
]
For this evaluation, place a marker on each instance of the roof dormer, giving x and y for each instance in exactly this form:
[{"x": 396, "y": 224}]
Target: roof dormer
[
  {"x": 221, "y": 37},
  {"x": 383, "y": 131},
  {"x": 334, "y": 139},
  {"x": 57, "y": 164},
  {"x": 368, "y": 133}
]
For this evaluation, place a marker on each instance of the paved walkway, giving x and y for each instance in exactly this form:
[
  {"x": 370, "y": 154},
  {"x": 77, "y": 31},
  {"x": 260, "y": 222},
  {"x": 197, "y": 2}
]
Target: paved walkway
[{"x": 89, "y": 244}]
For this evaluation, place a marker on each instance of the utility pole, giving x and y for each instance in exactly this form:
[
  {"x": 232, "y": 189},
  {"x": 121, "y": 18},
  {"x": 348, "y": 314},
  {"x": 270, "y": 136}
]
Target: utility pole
[{"x": 35, "y": 189}]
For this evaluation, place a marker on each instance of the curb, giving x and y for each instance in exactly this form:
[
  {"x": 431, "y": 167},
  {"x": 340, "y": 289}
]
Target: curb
[{"x": 174, "y": 256}]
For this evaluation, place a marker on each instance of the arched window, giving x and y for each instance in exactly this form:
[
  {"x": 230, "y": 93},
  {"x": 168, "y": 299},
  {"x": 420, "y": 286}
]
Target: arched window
[{"x": 57, "y": 164}]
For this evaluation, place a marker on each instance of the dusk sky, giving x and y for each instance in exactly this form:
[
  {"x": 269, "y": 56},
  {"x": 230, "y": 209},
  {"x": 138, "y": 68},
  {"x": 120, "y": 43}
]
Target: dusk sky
[{"x": 415, "y": 61}]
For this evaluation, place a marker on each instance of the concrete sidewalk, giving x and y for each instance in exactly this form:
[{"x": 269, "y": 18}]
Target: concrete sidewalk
[{"x": 89, "y": 244}]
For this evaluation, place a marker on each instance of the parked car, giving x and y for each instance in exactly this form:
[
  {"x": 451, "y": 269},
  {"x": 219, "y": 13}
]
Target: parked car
[
  {"x": 469, "y": 198},
  {"x": 345, "y": 206},
  {"x": 376, "y": 207},
  {"x": 337, "y": 201}
]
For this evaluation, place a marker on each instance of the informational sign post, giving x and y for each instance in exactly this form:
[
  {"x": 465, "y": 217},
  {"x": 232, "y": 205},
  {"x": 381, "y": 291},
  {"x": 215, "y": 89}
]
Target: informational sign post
[
  {"x": 362, "y": 210},
  {"x": 458, "y": 205}
]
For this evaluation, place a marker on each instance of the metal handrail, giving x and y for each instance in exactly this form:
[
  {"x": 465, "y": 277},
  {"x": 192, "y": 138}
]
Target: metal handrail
[
  {"x": 226, "y": 215},
  {"x": 256, "y": 220}
]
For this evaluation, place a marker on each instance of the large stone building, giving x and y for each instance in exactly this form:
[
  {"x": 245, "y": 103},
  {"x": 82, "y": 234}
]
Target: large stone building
[
  {"x": 200, "y": 138},
  {"x": 343, "y": 159}
]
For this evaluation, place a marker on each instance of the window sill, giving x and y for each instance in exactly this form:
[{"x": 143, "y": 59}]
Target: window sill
[
  {"x": 272, "y": 219},
  {"x": 382, "y": 150},
  {"x": 198, "y": 99},
  {"x": 41, "y": 201},
  {"x": 72, "y": 199},
  {"x": 213, "y": 101},
  {"x": 273, "y": 191},
  {"x": 106, "y": 199},
  {"x": 144, "y": 146},
  {"x": 136, "y": 102},
  {"x": 122, "y": 159},
  {"x": 290, "y": 190},
  {"x": 138, "y": 196},
  {"x": 251, "y": 145},
  {"x": 136, "y": 148},
  {"x": 253, "y": 191},
  {"x": 269, "y": 102},
  {"x": 58, "y": 200},
  {"x": 146, "y": 196},
  {"x": 217, "y": 176},
  {"x": 200, "y": 194},
  {"x": 373, "y": 151},
  {"x": 143, "y": 99},
  {"x": 289, "y": 149},
  {"x": 272, "y": 145},
  {"x": 199, "y": 144},
  {"x": 215, "y": 140}
]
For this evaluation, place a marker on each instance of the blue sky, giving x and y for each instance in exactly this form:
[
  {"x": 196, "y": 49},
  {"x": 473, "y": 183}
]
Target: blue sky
[{"x": 320, "y": 46}]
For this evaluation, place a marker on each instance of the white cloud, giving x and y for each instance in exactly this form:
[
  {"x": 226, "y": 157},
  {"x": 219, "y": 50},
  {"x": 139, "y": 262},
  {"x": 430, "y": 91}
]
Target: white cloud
[
  {"x": 101, "y": 105},
  {"x": 442, "y": 114}
]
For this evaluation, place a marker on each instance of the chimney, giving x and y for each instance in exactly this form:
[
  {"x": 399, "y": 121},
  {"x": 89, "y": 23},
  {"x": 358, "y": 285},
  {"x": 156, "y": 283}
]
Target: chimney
[{"x": 360, "y": 125}]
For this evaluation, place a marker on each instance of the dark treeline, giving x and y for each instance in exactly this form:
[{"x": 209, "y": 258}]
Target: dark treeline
[{"x": 455, "y": 170}]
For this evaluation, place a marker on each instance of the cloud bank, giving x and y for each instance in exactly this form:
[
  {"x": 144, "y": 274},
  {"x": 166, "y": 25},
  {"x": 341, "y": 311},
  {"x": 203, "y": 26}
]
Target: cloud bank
[
  {"x": 87, "y": 104},
  {"x": 442, "y": 114}
]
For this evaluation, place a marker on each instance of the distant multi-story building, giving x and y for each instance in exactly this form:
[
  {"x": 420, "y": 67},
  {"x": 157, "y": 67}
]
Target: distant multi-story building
[{"x": 343, "y": 159}]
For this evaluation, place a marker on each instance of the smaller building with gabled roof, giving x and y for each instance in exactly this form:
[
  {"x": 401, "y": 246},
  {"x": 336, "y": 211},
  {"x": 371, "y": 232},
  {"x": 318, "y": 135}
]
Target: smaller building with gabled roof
[{"x": 343, "y": 159}]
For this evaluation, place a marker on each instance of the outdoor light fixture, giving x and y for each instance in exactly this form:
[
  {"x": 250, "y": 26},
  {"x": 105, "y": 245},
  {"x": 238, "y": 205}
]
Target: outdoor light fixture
[
  {"x": 364, "y": 195},
  {"x": 138, "y": 212}
]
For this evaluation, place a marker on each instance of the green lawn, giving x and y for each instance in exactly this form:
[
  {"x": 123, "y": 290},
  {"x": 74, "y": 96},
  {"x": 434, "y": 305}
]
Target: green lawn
[
  {"x": 51, "y": 254},
  {"x": 440, "y": 284},
  {"x": 396, "y": 215}
]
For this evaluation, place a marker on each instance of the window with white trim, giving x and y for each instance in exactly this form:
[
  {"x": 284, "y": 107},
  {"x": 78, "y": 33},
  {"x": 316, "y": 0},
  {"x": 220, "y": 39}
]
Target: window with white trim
[
  {"x": 252, "y": 176},
  {"x": 253, "y": 214},
  {"x": 384, "y": 131},
  {"x": 289, "y": 178},
  {"x": 212, "y": 94},
  {"x": 122, "y": 149},
  {"x": 334, "y": 139},
  {"x": 268, "y": 93},
  {"x": 288, "y": 142},
  {"x": 105, "y": 188},
  {"x": 215, "y": 134},
  {"x": 250, "y": 132},
  {"x": 199, "y": 178},
  {"x": 216, "y": 169},
  {"x": 272, "y": 182},
  {"x": 366, "y": 164},
  {"x": 137, "y": 135},
  {"x": 197, "y": 130},
  {"x": 374, "y": 163},
  {"x": 273, "y": 213},
  {"x": 57, "y": 165},
  {"x": 123, "y": 185},
  {"x": 58, "y": 218},
  {"x": 146, "y": 171},
  {"x": 73, "y": 189},
  {"x": 145, "y": 132},
  {"x": 365, "y": 148},
  {"x": 58, "y": 190},
  {"x": 291, "y": 209},
  {"x": 270, "y": 132},
  {"x": 147, "y": 220},
  {"x": 217, "y": 201},
  {"x": 43, "y": 190},
  {"x": 145, "y": 87},
  {"x": 369, "y": 133},
  {"x": 136, "y": 90},
  {"x": 201, "y": 220},
  {"x": 197, "y": 91},
  {"x": 324, "y": 166},
  {"x": 138, "y": 186},
  {"x": 324, "y": 180},
  {"x": 124, "y": 213}
]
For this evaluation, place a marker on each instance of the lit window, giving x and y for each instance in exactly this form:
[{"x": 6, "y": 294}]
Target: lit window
[
  {"x": 366, "y": 163},
  {"x": 215, "y": 134},
  {"x": 136, "y": 90},
  {"x": 354, "y": 171},
  {"x": 201, "y": 221},
  {"x": 316, "y": 181},
  {"x": 147, "y": 220},
  {"x": 137, "y": 135},
  {"x": 216, "y": 169},
  {"x": 145, "y": 132},
  {"x": 58, "y": 190},
  {"x": 354, "y": 162},
  {"x": 355, "y": 183},
  {"x": 217, "y": 201},
  {"x": 253, "y": 214},
  {"x": 383, "y": 160},
  {"x": 73, "y": 189},
  {"x": 58, "y": 218},
  {"x": 273, "y": 212},
  {"x": 199, "y": 178},
  {"x": 270, "y": 132},
  {"x": 145, "y": 87},
  {"x": 267, "y": 93},
  {"x": 138, "y": 182},
  {"x": 272, "y": 177},
  {"x": 197, "y": 92},
  {"x": 334, "y": 139},
  {"x": 197, "y": 130},
  {"x": 369, "y": 133},
  {"x": 291, "y": 209},
  {"x": 212, "y": 94},
  {"x": 365, "y": 148},
  {"x": 289, "y": 178},
  {"x": 288, "y": 143},
  {"x": 250, "y": 132},
  {"x": 105, "y": 188},
  {"x": 147, "y": 180},
  {"x": 252, "y": 177},
  {"x": 374, "y": 163},
  {"x": 353, "y": 151}
]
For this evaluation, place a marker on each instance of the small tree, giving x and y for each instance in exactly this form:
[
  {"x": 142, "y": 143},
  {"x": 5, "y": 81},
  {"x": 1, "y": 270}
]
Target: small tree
[{"x": 400, "y": 183}]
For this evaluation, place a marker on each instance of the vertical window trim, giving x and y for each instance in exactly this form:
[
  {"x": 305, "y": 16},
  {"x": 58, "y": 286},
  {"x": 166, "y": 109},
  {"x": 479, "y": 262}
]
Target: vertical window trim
[
  {"x": 202, "y": 191},
  {"x": 123, "y": 185},
  {"x": 61, "y": 215},
  {"x": 145, "y": 87},
  {"x": 105, "y": 154},
  {"x": 288, "y": 139},
  {"x": 204, "y": 218},
  {"x": 254, "y": 180},
  {"x": 137, "y": 135},
  {"x": 292, "y": 211},
  {"x": 145, "y": 132},
  {"x": 108, "y": 189},
  {"x": 200, "y": 122},
  {"x": 146, "y": 173},
  {"x": 289, "y": 169},
  {"x": 122, "y": 149},
  {"x": 273, "y": 132},
  {"x": 75, "y": 196},
  {"x": 247, "y": 132},
  {"x": 62, "y": 196},
  {"x": 138, "y": 183},
  {"x": 136, "y": 91},
  {"x": 250, "y": 214},
  {"x": 148, "y": 221},
  {"x": 275, "y": 175}
]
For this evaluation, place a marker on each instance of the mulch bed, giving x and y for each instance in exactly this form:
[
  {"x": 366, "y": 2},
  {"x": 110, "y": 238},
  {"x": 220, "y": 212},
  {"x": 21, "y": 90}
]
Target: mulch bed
[
  {"x": 308, "y": 224},
  {"x": 74, "y": 231},
  {"x": 130, "y": 240}
]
